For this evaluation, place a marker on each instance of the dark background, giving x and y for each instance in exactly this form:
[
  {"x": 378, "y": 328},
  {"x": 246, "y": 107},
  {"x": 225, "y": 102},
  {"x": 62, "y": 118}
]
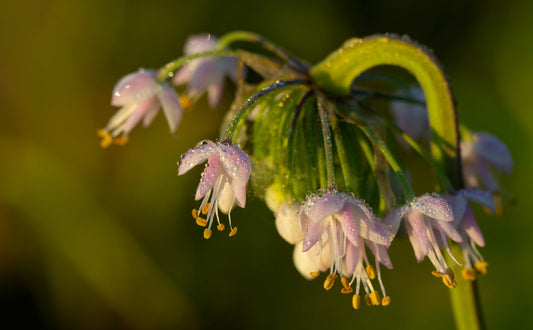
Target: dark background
[{"x": 103, "y": 239}]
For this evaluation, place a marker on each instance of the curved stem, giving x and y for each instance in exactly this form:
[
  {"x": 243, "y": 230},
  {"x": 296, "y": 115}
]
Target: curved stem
[
  {"x": 236, "y": 36},
  {"x": 252, "y": 99}
]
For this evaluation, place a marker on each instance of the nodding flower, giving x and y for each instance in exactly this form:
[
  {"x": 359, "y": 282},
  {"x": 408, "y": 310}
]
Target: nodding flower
[
  {"x": 208, "y": 73},
  {"x": 140, "y": 97},
  {"x": 226, "y": 164},
  {"x": 339, "y": 227},
  {"x": 429, "y": 224}
]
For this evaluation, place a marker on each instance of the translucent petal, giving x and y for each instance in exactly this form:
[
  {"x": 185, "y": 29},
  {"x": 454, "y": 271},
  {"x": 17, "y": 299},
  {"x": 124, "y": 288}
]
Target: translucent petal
[
  {"x": 348, "y": 225},
  {"x": 419, "y": 227},
  {"x": 134, "y": 88},
  {"x": 288, "y": 223},
  {"x": 380, "y": 253},
  {"x": 200, "y": 43},
  {"x": 318, "y": 208},
  {"x": 369, "y": 228},
  {"x": 479, "y": 196},
  {"x": 196, "y": 156},
  {"x": 352, "y": 256},
  {"x": 312, "y": 233},
  {"x": 419, "y": 254},
  {"x": 434, "y": 207},
  {"x": 214, "y": 93},
  {"x": 471, "y": 228},
  {"x": 494, "y": 151},
  {"x": 171, "y": 106},
  {"x": 209, "y": 176},
  {"x": 449, "y": 229},
  {"x": 143, "y": 108},
  {"x": 236, "y": 164},
  {"x": 226, "y": 201}
]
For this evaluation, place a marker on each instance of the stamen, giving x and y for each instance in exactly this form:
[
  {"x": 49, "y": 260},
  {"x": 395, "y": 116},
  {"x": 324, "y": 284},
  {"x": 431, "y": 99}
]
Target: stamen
[
  {"x": 205, "y": 209},
  {"x": 367, "y": 300},
  {"x": 481, "y": 267},
  {"x": 436, "y": 273},
  {"x": 385, "y": 301},
  {"x": 346, "y": 290},
  {"x": 195, "y": 213},
  {"x": 375, "y": 299},
  {"x": 314, "y": 274},
  {"x": 356, "y": 301},
  {"x": 106, "y": 138},
  {"x": 207, "y": 233},
  {"x": 201, "y": 222},
  {"x": 448, "y": 281},
  {"x": 221, "y": 227},
  {"x": 186, "y": 102},
  {"x": 233, "y": 232},
  {"x": 498, "y": 209},
  {"x": 371, "y": 272},
  {"x": 345, "y": 282},
  {"x": 469, "y": 274},
  {"x": 330, "y": 281},
  {"x": 121, "y": 141}
]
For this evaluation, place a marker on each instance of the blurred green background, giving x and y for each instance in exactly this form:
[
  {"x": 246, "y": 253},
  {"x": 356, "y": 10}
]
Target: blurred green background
[{"x": 103, "y": 239}]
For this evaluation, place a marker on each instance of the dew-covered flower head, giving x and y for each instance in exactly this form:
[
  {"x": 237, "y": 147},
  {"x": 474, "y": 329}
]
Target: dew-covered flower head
[
  {"x": 140, "y": 97},
  {"x": 342, "y": 225},
  {"x": 226, "y": 164},
  {"x": 206, "y": 74}
]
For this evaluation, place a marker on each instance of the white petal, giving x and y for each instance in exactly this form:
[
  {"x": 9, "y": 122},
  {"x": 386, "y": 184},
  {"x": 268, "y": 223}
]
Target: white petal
[
  {"x": 288, "y": 223},
  {"x": 134, "y": 88},
  {"x": 171, "y": 106}
]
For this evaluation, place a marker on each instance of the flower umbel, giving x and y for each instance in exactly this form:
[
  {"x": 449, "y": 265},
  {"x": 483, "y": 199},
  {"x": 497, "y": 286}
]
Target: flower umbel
[
  {"x": 226, "y": 164},
  {"x": 140, "y": 97},
  {"x": 342, "y": 225}
]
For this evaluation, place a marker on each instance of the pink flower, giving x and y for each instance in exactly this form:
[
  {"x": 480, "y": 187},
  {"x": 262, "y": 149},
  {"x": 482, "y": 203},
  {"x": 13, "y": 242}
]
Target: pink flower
[
  {"x": 342, "y": 226},
  {"x": 140, "y": 97},
  {"x": 225, "y": 164},
  {"x": 206, "y": 74},
  {"x": 411, "y": 118},
  {"x": 467, "y": 227},
  {"x": 481, "y": 153},
  {"x": 429, "y": 223}
]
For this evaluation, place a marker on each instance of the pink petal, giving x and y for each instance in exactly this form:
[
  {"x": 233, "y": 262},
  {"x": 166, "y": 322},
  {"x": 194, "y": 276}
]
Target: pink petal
[
  {"x": 209, "y": 176},
  {"x": 143, "y": 108},
  {"x": 394, "y": 219},
  {"x": 171, "y": 106},
  {"x": 419, "y": 254},
  {"x": 183, "y": 75},
  {"x": 472, "y": 229},
  {"x": 348, "y": 225},
  {"x": 318, "y": 208},
  {"x": 419, "y": 227},
  {"x": 479, "y": 196},
  {"x": 134, "y": 88},
  {"x": 458, "y": 203},
  {"x": 449, "y": 229},
  {"x": 352, "y": 257},
  {"x": 236, "y": 163},
  {"x": 494, "y": 151},
  {"x": 214, "y": 93},
  {"x": 206, "y": 73},
  {"x": 200, "y": 43},
  {"x": 239, "y": 192},
  {"x": 196, "y": 156},
  {"x": 380, "y": 253},
  {"x": 368, "y": 227},
  {"x": 312, "y": 233},
  {"x": 149, "y": 117},
  {"x": 434, "y": 207}
]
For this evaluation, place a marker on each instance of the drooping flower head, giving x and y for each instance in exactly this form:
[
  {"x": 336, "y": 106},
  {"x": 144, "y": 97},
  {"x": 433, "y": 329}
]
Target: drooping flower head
[
  {"x": 342, "y": 225},
  {"x": 206, "y": 74},
  {"x": 467, "y": 227},
  {"x": 226, "y": 164},
  {"x": 411, "y": 118},
  {"x": 429, "y": 224},
  {"x": 481, "y": 155},
  {"x": 140, "y": 97}
]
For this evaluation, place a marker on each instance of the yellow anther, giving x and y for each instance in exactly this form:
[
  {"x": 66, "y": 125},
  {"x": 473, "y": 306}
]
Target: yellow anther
[
  {"x": 195, "y": 213},
  {"x": 498, "y": 205},
  {"x": 345, "y": 282},
  {"x": 201, "y": 222},
  {"x": 450, "y": 273},
  {"x": 120, "y": 141},
  {"x": 385, "y": 301},
  {"x": 207, "y": 233},
  {"x": 314, "y": 274},
  {"x": 448, "y": 281},
  {"x": 186, "y": 102},
  {"x": 469, "y": 274},
  {"x": 346, "y": 290},
  {"x": 221, "y": 227},
  {"x": 436, "y": 273},
  {"x": 106, "y": 138},
  {"x": 371, "y": 272},
  {"x": 481, "y": 267},
  {"x": 330, "y": 280},
  {"x": 233, "y": 232},
  {"x": 375, "y": 299},
  {"x": 367, "y": 300},
  {"x": 205, "y": 209},
  {"x": 356, "y": 301}
]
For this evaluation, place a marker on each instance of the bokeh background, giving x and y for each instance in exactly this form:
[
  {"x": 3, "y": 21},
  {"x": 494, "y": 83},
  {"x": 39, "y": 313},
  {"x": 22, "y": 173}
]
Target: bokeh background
[{"x": 103, "y": 239}]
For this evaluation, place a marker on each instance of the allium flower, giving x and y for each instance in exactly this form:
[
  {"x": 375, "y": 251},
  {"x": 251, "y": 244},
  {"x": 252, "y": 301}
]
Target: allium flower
[
  {"x": 140, "y": 96},
  {"x": 481, "y": 153},
  {"x": 429, "y": 223},
  {"x": 206, "y": 74},
  {"x": 467, "y": 227},
  {"x": 226, "y": 164},
  {"x": 341, "y": 225},
  {"x": 411, "y": 118}
]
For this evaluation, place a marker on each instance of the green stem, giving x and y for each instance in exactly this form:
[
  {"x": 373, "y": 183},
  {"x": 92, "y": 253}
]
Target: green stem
[
  {"x": 328, "y": 146},
  {"x": 236, "y": 36},
  {"x": 252, "y": 99},
  {"x": 380, "y": 144}
]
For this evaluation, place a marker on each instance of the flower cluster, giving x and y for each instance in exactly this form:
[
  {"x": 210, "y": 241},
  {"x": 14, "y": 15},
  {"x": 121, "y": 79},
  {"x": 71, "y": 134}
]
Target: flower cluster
[{"x": 323, "y": 156}]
